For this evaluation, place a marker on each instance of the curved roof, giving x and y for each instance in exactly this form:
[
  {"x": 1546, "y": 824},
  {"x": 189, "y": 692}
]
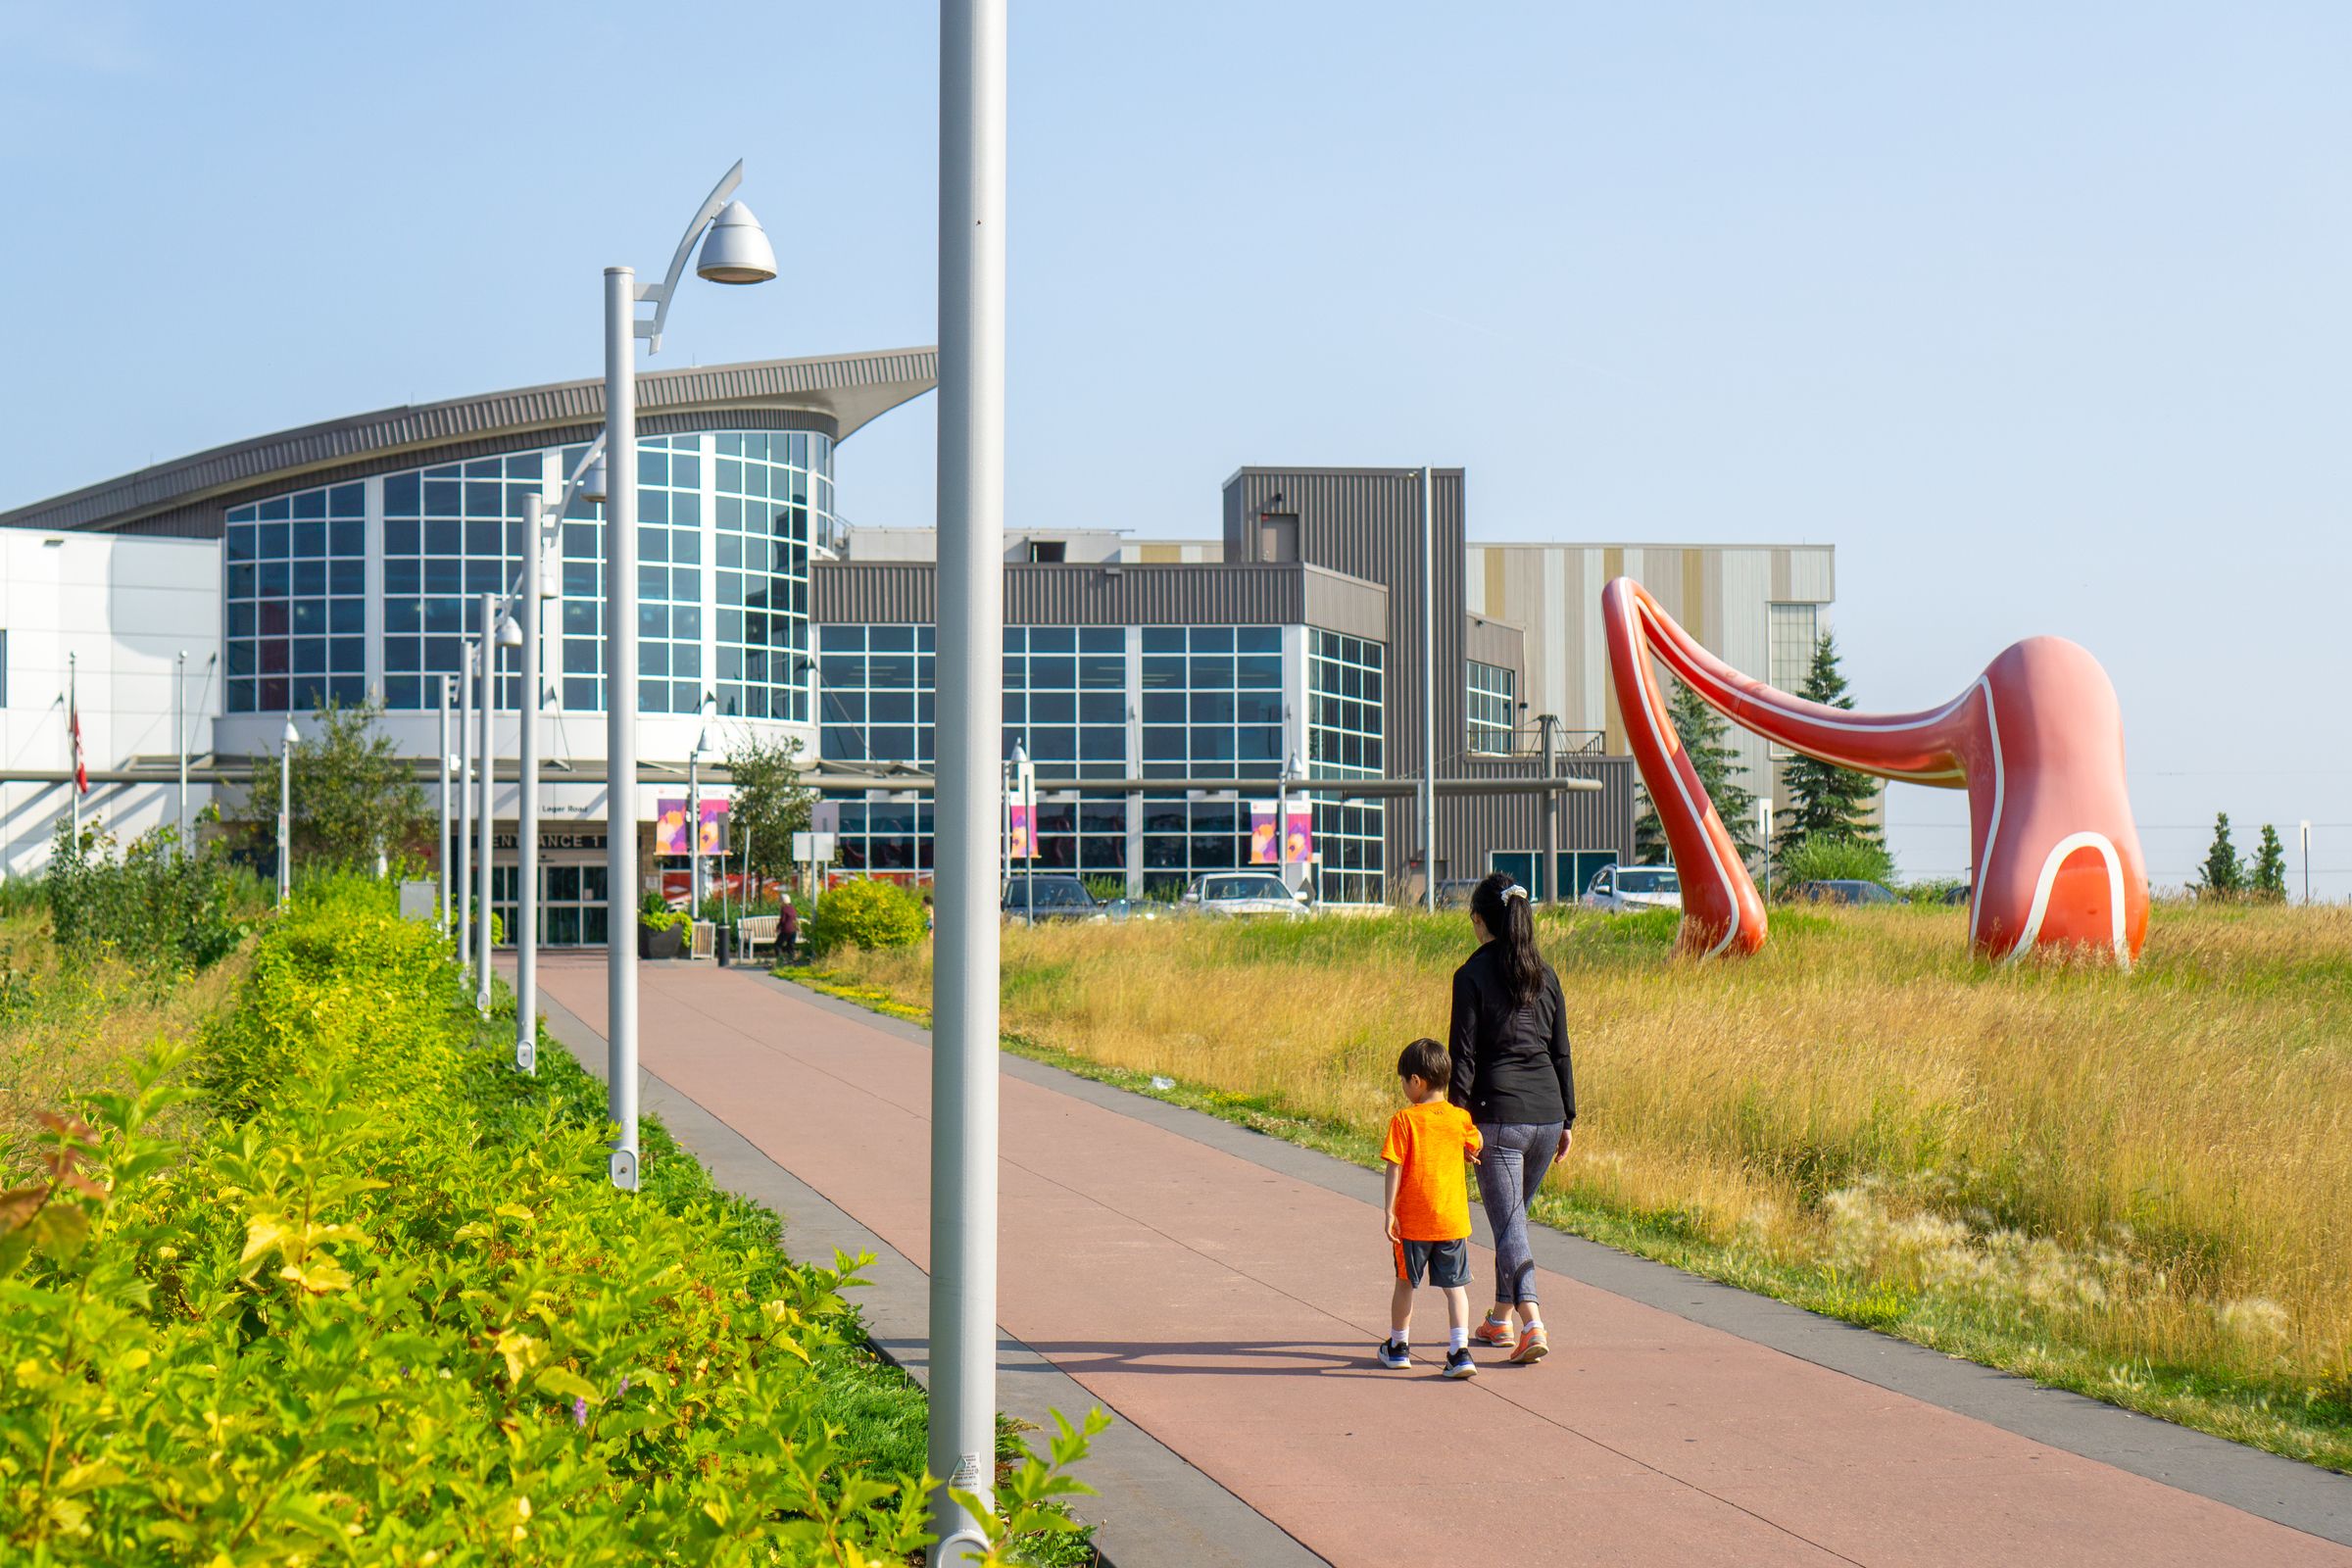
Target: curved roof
[{"x": 835, "y": 392}]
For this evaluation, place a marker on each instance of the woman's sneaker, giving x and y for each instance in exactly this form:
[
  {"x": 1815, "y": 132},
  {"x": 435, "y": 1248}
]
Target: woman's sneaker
[
  {"x": 1492, "y": 1332},
  {"x": 1532, "y": 1346},
  {"x": 1392, "y": 1354},
  {"x": 1459, "y": 1366}
]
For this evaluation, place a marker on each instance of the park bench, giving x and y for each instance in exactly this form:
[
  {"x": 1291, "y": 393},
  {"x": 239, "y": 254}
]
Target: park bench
[{"x": 754, "y": 932}]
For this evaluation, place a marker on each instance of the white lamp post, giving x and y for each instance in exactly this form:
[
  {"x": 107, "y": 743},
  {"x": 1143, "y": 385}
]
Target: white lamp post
[
  {"x": 464, "y": 929},
  {"x": 285, "y": 809},
  {"x": 2306, "y": 827},
  {"x": 970, "y": 707},
  {"x": 496, "y": 634},
  {"x": 526, "y": 808},
  {"x": 736, "y": 252},
  {"x": 1292, "y": 771},
  {"x": 441, "y": 850},
  {"x": 693, "y": 814}
]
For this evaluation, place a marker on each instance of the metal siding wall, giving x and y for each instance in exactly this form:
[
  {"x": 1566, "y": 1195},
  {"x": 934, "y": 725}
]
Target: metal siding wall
[
  {"x": 1745, "y": 579},
  {"x": 899, "y": 592},
  {"x": 1812, "y": 574},
  {"x": 1471, "y": 826}
]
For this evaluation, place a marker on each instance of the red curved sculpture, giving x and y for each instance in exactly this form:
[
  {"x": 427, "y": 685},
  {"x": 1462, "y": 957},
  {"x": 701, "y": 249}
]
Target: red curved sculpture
[{"x": 2038, "y": 742}]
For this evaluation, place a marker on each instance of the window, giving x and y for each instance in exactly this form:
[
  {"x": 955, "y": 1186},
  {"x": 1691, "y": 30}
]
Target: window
[
  {"x": 296, "y": 600},
  {"x": 1492, "y": 688},
  {"x": 1344, "y": 730},
  {"x": 1048, "y": 550},
  {"x": 766, "y": 526}
]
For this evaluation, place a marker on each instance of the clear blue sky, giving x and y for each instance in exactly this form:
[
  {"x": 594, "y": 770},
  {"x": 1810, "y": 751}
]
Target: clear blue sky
[{"x": 2042, "y": 314}]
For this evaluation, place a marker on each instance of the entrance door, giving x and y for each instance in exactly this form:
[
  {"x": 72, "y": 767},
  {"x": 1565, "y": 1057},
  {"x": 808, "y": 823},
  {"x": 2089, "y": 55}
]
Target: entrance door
[{"x": 571, "y": 902}]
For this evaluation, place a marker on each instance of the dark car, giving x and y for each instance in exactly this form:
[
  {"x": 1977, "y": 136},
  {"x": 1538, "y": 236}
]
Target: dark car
[
  {"x": 1840, "y": 892},
  {"x": 1050, "y": 898}
]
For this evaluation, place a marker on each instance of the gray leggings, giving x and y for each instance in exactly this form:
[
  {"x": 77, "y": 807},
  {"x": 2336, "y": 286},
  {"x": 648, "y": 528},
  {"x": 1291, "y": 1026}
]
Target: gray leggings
[{"x": 1511, "y": 1168}]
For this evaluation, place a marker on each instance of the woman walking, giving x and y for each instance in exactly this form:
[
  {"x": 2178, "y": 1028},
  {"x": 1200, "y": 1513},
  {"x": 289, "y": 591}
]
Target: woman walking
[{"x": 1511, "y": 1072}]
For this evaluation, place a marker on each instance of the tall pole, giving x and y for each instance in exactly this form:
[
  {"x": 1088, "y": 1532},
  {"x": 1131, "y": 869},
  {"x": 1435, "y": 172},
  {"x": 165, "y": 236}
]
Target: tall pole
[
  {"x": 285, "y": 814},
  {"x": 1429, "y": 692},
  {"x": 970, "y": 705},
  {"x": 441, "y": 767},
  {"x": 2307, "y": 860},
  {"x": 74, "y": 747},
  {"x": 179, "y": 740},
  {"x": 1549, "y": 880},
  {"x": 464, "y": 802},
  {"x": 620, "y": 717},
  {"x": 694, "y": 838},
  {"x": 526, "y": 810},
  {"x": 482, "y": 926}
]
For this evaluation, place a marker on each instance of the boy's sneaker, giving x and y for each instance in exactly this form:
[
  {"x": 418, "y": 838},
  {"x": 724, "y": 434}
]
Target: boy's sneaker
[
  {"x": 1459, "y": 1366},
  {"x": 1493, "y": 1333},
  {"x": 1392, "y": 1354},
  {"x": 1532, "y": 1346}
]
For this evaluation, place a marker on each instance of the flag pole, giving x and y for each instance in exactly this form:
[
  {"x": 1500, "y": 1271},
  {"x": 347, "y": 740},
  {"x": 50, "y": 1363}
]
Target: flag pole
[{"x": 73, "y": 743}]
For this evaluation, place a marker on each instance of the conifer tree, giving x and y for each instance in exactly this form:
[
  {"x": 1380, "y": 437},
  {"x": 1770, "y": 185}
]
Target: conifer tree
[
  {"x": 2269, "y": 880},
  {"x": 2222, "y": 875},
  {"x": 1824, "y": 801}
]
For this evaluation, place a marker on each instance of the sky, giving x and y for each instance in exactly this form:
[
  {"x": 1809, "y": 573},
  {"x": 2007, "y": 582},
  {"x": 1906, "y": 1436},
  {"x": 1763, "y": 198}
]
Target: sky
[{"x": 2041, "y": 315}]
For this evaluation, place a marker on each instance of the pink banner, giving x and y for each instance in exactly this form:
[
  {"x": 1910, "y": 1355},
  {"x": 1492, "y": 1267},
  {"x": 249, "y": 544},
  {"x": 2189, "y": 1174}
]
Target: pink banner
[
  {"x": 1019, "y": 843},
  {"x": 669, "y": 827},
  {"x": 1298, "y": 846}
]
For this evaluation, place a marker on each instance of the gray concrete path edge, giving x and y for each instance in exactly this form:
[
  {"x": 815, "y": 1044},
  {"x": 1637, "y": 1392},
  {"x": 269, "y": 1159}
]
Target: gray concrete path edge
[
  {"x": 1151, "y": 1508},
  {"x": 2284, "y": 1490}
]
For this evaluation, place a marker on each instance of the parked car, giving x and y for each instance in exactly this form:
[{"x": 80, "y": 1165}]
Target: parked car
[
  {"x": 1051, "y": 898},
  {"x": 1622, "y": 889},
  {"x": 1241, "y": 894},
  {"x": 1841, "y": 891},
  {"x": 1455, "y": 894}
]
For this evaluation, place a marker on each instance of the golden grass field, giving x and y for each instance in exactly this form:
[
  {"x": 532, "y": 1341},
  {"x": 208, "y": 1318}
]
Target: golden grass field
[{"x": 2137, "y": 1185}]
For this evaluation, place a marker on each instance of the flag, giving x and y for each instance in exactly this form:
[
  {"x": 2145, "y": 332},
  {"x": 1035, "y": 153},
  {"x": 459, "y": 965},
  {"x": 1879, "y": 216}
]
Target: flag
[{"x": 82, "y": 769}]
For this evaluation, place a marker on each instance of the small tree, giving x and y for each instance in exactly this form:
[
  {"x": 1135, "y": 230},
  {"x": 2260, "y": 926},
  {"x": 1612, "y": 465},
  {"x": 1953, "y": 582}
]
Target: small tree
[
  {"x": 2269, "y": 879},
  {"x": 770, "y": 803},
  {"x": 354, "y": 797},
  {"x": 2221, "y": 876},
  {"x": 865, "y": 912},
  {"x": 1702, "y": 731},
  {"x": 1825, "y": 800}
]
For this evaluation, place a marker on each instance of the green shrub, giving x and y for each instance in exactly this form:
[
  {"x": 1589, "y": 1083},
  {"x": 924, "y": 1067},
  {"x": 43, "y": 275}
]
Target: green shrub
[
  {"x": 655, "y": 915},
  {"x": 154, "y": 907},
  {"x": 387, "y": 1308},
  {"x": 1822, "y": 858},
  {"x": 865, "y": 912}
]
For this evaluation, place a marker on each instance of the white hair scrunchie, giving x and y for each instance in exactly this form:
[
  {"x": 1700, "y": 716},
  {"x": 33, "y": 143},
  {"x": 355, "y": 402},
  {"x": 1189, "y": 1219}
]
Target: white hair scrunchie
[{"x": 1514, "y": 890}]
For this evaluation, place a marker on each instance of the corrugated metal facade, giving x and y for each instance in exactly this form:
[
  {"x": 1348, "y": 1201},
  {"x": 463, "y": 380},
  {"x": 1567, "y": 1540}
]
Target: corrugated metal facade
[
  {"x": 906, "y": 592},
  {"x": 1721, "y": 594},
  {"x": 845, "y": 389},
  {"x": 1471, "y": 827},
  {"x": 1367, "y": 522}
]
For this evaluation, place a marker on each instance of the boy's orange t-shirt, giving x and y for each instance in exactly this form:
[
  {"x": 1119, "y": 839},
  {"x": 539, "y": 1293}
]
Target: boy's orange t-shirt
[{"x": 1428, "y": 1142}]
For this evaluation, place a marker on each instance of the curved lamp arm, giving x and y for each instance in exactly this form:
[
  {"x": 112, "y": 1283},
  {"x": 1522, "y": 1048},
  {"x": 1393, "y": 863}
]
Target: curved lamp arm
[{"x": 660, "y": 293}]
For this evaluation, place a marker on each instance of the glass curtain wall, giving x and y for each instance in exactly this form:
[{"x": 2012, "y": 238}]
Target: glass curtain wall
[
  {"x": 1344, "y": 741},
  {"x": 296, "y": 600}
]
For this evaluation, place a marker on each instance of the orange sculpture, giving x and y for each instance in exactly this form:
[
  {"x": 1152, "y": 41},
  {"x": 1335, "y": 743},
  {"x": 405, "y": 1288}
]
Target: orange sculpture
[{"x": 2038, "y": 742}]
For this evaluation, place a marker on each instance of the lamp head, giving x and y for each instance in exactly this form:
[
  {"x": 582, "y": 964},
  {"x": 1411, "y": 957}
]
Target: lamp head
[
  {"x": 290, "y": 735},
  {"x": 592, "y": 483},
  {"x": 509, "y": 634},
  {"x": 1020, "y": 755},
  {"x": 736, "y": 250}
]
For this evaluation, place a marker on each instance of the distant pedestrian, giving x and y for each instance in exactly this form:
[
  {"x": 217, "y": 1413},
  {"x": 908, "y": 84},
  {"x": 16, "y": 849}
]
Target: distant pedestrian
[
  {"x": 1511, "y": 1073},
  {"x": 1428, "y": 1208},
  {"x": 788, "y": 929}
]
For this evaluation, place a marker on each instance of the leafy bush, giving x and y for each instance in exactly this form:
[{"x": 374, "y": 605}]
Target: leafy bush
[
  {"x": 153, "y": 907},
  {"x": 1825, "y": 858},
  {"x": 865, "y": 912},
  {"x": 388, "y": 1308},
  {"x": 655, "y": 915}
]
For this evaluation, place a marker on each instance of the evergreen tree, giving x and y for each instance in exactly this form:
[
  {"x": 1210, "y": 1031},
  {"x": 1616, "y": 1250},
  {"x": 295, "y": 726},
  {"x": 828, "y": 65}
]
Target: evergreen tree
[
  {"x": 1824, "y": 801},
  {"x": 2269, "y": 880},
  {"x": 355, "y": 798},
  {"x": 2222, "y": 875},
  {"x": 1717, "y": 765}
]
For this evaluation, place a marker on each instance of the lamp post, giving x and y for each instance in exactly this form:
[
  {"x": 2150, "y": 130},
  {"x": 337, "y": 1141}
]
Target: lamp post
[
  {"x": 285, "y": 809},
  {"x": 1292, "y": 771},
  {"x": 1764, "y": 837},
  {"x": 441, "y": 850},
  {"x": 693, "y": 814},
  {"x": 497, "y": 633},
  {"x": 464, "y": 802},
  {"x": 179, "y": 740},
  {"x": 736, "y": 252},
  {"x": 1550, "y": 879},
  {"x": 970, "y": 710},
  {"x": 1024, "y": 785},
  {"x": 1429, "y": 692},
  {"x": 526, "y": 805},
  {"x": 2306, "y": 831}
]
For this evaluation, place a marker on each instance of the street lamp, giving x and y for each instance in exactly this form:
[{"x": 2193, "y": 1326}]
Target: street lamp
[
  {"x": 736, "y": 252},
  {"x": 1292, "y": 772},
  {"x": 441, "y": 850},
  {"x": 497, "y": 633},
  {"x": 694, "y": 811},
  {"x": 528, "y": 606},
  {"x": 286, "y": 740},
  {"x": 464, "y": 929}
]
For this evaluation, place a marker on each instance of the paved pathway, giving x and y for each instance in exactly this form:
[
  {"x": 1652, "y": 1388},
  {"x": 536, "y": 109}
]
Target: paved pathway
[{"x": 1228, "y": 1309}]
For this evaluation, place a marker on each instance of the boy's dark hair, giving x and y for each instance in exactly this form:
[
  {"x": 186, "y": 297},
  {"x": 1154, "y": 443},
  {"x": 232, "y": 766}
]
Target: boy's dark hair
[{"x": 1426, "y": 1060}]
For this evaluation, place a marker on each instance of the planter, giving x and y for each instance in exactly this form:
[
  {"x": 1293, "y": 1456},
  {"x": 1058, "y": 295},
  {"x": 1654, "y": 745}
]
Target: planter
[{"x": 666, "y": 942}]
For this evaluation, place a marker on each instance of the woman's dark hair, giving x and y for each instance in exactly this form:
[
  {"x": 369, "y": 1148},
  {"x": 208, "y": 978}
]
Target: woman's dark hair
[{"x": 1500, "y": 905}]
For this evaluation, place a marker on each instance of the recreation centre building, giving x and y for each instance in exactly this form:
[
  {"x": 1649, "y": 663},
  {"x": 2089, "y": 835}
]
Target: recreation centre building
[{"x": 348, "y": 560}]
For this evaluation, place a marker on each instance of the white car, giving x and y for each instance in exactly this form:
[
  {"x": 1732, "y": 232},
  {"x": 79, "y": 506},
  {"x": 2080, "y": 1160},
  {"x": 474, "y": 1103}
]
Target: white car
[
  {"x": 1620, "y": 888},
  {"x": 1244, "y": 893}
]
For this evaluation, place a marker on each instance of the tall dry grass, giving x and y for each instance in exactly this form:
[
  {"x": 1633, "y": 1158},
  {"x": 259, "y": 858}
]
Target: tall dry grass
[{"x": 2111, "y": 1179}]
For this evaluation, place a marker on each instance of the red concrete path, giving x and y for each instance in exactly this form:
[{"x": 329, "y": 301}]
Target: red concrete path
[{"x": 1228, "y": 1311}]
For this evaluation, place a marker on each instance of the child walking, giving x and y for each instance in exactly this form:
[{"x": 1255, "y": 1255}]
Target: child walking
[{"x": 1428, "y": 1209}]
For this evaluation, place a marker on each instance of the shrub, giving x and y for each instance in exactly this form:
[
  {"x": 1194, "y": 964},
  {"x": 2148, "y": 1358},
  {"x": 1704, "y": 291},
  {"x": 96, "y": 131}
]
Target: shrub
[
  {"x": 389, "y": 1309},
  {"x": 154, "y": 907},
  {"x": 655, "y": 915},
  {"x": 1824, "y": 859},
  {"x": 865, "y": 912}
]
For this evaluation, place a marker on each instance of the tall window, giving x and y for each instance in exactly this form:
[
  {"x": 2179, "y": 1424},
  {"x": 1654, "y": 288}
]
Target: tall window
[
  {"x": 1796, "y": 630},
  {"x": 1344, "y": 741},
  {"x": 762, "y": 488},
  {"x": 451, "y": 534},
  {"x": 1492, "y": 688},
  {"x": 297, "y": 568}
]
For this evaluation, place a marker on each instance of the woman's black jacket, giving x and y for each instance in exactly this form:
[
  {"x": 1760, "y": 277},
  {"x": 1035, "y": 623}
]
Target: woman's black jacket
[{"x": 1510, "y": 1063}]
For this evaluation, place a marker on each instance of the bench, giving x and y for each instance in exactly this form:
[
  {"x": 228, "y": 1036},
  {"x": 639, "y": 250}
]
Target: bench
[{"x": 754, "y": 931}]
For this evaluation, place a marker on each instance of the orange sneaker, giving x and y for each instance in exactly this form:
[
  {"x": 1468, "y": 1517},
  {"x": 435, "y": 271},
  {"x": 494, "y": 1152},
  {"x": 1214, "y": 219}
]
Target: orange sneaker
[
  {"x": 1493, "y": 1333},
  {"x": 1532, "y": 1346}
]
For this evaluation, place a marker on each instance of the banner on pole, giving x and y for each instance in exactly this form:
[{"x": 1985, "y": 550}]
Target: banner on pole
[
  {"x": 669, "y": 826},
  {"x": 1270, "y": 843},
  {"x": 1021, "y": 815}
]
